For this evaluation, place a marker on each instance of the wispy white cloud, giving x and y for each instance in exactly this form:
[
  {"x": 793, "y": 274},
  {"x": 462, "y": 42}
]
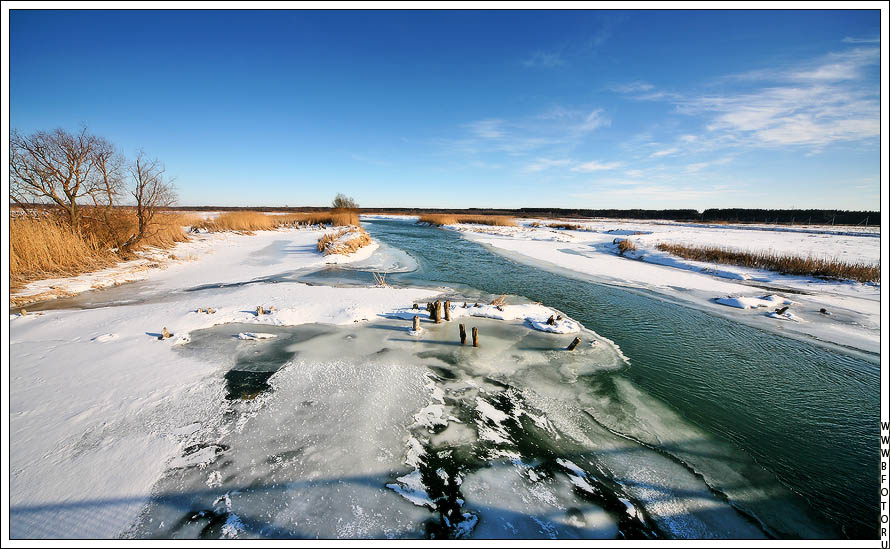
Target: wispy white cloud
[
  {"x": 545, "y": 60},
  {"x": 814, "y": 104},
  {"x": 632, "y": 87},
  {"x": 664, "y": 152},
  {"x": 595, "y": 166},
  {"x": 490, "y": 128},
  {"x": 853, "y": 40},
  {"x": 542, "y": 164},
  {"x": 554, "y": 128}
]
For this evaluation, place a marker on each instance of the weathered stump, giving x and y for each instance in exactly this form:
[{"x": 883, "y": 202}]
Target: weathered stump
[
  {"x": 437, "y": 312},
  {"x": 475, "y": 337},
  {"x": 463, "y": 335},
  {"x": 259, "y": 310},
  {"x": 416, "y": 326},
  {"x": 782, "y": 310},
  {"x": 573, "y": 344},
  {"x": 551, "y": 321},
  {"x": 415, "y": 307},
  {"x": 448, "y": 311},
  {"x": 165, "y": 334}
]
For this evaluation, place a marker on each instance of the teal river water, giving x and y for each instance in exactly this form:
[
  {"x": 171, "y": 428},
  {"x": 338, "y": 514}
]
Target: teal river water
[{"x": 807, "y": 414}]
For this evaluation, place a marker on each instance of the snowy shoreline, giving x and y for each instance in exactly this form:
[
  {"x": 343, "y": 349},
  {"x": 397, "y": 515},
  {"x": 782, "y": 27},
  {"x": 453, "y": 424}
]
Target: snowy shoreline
[
  {"x": 591, "y": 254},
  {"x": 136, "y": 402}
]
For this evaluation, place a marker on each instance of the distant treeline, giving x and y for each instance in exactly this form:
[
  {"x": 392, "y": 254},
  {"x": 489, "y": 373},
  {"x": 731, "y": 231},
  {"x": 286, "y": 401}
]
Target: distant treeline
[
  {"x": 740, "y": 215},
  {"x": 713, "y": 215}
]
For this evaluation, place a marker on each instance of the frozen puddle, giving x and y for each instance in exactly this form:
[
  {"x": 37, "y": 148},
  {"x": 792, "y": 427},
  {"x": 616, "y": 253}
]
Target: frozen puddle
[{"x": 368, "y": 432}]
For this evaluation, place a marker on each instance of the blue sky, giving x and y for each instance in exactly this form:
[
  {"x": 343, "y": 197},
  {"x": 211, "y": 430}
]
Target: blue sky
[{"x": 587, "y": 109}]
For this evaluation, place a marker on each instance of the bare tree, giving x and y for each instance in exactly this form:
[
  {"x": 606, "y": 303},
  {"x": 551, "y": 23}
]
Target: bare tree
[
  {"x": 341, "y": 201},
  {"x": 152, "y": 190},
  {"x": 55, "y": 167},
  {"x": 108, "y": 192}
]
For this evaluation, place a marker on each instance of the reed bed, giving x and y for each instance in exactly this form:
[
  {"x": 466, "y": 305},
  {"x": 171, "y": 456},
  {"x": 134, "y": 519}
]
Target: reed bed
[
  {"x": 249, "y": 221},
  {"x": 333, "y": 242},
  {"x": 625, "y": 245},
  {"x": 450, "y": 219},
  {"x": 785, "y": 264},
  {"x": 45, "y": 245}
]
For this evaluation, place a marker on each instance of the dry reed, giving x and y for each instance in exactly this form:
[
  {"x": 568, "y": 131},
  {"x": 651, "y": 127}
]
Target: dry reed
[
  {"x": 625, "y": 245},
  {"x": 44, "y": 247},
  {"x": 331, "y": 243},
  {"x": 785, "y": 264},
  {"x": 451, "y": 219},
  {"x": 249, "y": 221}
]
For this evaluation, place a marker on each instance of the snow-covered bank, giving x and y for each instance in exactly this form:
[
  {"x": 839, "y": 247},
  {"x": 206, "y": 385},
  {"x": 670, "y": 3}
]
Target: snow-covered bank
[
  {"x": 99, "y": 405},
  {"x": 219, "y": 253},
  {"x": 854, "y": 319}
]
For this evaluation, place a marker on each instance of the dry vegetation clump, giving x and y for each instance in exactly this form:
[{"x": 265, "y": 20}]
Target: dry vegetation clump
[
  {"x": 249, "y": 221},
  {"x": 785, "y": 264},
  {"x": 337, "y": 243},
  {"x": 625, "y": 245},
  {"x": 41, "y": 247},
  {"x": 566, "y": 226},
  {"x": 115, "y": 227},
  {"x": 245, "y": 221},
  {"x": 45, "y": 245},
  {"x": 450, "y": 219},
  {"x": 499, "y": 301}
]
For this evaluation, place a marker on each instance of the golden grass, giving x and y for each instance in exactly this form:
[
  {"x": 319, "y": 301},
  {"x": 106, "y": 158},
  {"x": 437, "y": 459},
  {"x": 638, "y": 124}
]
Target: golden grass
[
  {"x": 328, "y": 243},
  {"x": 785, "y": 264},
  {"x": 45, "y": 247},
  {"x": 566, "y": 226},
  {"x": 249, "y": 221},
  {"x": 625, "y": 245},
  {"x": 451, "y": 219},
  {"x": 115, "y": 228}
]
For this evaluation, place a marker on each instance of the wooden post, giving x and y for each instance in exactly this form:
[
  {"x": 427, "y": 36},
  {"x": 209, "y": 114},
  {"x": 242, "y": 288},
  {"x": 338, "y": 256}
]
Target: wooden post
[
  {"x": 164, "y": 333},
  {"x": 448, "y": 311},
  {"x": 437, "y": 312},
  {"x": 475, "y": 337},
  {"x": 415, "y": 307},
  {"x": 259, "y": 310},
  {"x": 463, "y": 335},
  {"x": 551, "y": 321},
  {"x": 573, "y": 344},
  {"x": 416, "y": 326}
]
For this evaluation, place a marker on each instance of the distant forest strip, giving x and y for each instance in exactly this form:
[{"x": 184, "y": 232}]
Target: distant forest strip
[
  {"x": 713, "y": 215},
  {"x": 727, "y": 215}
]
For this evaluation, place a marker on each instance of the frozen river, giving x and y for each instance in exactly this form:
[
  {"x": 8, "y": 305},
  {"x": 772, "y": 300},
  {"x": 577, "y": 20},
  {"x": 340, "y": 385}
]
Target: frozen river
[{"x": 666, "y": 422}]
